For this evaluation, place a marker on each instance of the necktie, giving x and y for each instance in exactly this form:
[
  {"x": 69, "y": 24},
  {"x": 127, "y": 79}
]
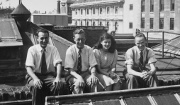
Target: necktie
[
  {"x": 79, "y": 66},
  {"x": 43, "y": 63},
  {"x": 141, "y": 59}
]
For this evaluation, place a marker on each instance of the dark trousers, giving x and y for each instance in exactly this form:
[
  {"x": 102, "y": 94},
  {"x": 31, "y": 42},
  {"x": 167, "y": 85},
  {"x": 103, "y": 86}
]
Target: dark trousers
[
  {"x": 48, "y": 89},
  {"x": 133, "y": 82}
]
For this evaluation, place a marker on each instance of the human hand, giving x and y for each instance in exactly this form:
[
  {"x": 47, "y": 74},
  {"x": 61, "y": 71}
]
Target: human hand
[
  {"x": 144, "y": 75},
  {"x": 38, "y": 83},
  {"x": 112, "y": 75},
  {"x": 58, "y": 83},
  {"x": 80, "y": 82},
  {"x": 93, "y": 79}
]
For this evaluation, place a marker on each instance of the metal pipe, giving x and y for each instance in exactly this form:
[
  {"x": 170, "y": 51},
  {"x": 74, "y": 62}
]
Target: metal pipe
[
  {"x": 147, "y": 39},
  {"x": 163, "y": 44}
]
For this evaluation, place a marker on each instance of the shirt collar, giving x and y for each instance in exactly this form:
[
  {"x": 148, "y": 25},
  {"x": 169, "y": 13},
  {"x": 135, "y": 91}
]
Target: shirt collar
[
  {"x": 40, "y": 49},
  {"x": 77, "y": 49},
  {"x": 139, "y": 50}
]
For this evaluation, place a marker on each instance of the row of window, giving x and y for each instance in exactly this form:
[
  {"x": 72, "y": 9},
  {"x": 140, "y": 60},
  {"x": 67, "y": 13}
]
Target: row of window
[
  {"x": 161, "y": 5},
  {"x": 161, "y": 23},
  {"x": 100, "y": 10},
  {"x": 100, "y": 24}
]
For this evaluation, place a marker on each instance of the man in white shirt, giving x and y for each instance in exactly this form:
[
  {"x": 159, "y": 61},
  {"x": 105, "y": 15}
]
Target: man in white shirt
[
  {"x": 137, "y": 57},
  {"x": 80, "y": 62},
  {"x": 41, "y": 62}
]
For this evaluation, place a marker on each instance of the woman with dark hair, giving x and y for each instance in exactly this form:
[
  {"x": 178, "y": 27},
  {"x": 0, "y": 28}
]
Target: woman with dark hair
[{"x": 106, "y": 57}]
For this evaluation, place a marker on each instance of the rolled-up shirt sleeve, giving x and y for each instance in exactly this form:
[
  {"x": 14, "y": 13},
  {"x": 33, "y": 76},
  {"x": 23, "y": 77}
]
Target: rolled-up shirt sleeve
[
  {"x": 30, "y": 59},
  {"x": 69, "y": 61},
  {"x": 129, "y": 57},
  {"x": 151, "y": 56},
  {"x": 57, "y": 59}
]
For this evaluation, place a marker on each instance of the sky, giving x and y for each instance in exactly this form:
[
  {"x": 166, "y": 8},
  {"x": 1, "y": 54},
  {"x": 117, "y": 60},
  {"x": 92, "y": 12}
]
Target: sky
[{"x": 32, "y": 5}]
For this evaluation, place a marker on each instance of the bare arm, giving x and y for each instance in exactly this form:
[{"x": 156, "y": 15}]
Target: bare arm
[
  {"x": 31, "y": 73},
  {"x": 37, "y": 82},
  {"x": 58, "y": 70},
  {"x": 153, "y": 69},
  {"x": 133, "y": 72}
]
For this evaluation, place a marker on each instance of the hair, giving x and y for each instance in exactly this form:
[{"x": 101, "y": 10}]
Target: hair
[
  {"x": 43, "y": 31},
  {"x": 103, "y": 37},
  {"x": 78, "y": 31},
  {"x": 140, "y": 35}
]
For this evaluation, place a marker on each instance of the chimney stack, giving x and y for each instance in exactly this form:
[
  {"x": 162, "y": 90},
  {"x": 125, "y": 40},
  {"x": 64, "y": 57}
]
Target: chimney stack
[{"x": 58, "y": 7}]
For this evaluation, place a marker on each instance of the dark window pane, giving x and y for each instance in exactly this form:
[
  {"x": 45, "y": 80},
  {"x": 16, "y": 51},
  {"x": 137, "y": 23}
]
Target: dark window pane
[
  {"x": 171, "y": 23},
  {"x": 142, "y": 5},
  {"x": 172, "y": 5},
  {"x": 142, "y": 22},
  {"x": 131, "y": 7},
  {"x": 107, "y": 102},
  {"x": 166, "y": 99},
  {"x": 137, "y": 101},
  {"x": 151, "y": 23},
  {"x": 151, "y": 5},
  {"x": 161, "y": 23}
]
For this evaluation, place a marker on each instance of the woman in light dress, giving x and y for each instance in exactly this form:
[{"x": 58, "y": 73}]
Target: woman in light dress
[{"x": 106, "y": 56}]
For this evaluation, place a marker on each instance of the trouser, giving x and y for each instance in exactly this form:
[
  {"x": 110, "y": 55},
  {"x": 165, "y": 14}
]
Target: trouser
[
  {"x": 133, "y": 82},
  {"x": 38, "y": 95},
  {"x": 71, "y": 80}
]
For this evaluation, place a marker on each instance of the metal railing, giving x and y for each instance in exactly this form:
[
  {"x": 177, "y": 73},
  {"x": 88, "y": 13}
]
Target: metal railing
[{"x": 163, "y": 37}]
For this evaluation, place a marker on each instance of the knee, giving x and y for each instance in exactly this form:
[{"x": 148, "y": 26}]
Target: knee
[{"x": 131, "y": 78}]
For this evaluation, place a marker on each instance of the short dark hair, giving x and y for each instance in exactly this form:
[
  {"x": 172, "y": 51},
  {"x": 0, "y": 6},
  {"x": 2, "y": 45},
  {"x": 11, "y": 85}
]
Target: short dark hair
[
  {"x": 79, "y": 31},
  {"x": 43, "y": 31},
  {"x": 140, "y": 35},
  {"x": 104, "y": 36}
]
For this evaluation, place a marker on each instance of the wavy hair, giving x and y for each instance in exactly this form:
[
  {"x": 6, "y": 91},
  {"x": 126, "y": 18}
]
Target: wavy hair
[{"x": 104, "y": 36}]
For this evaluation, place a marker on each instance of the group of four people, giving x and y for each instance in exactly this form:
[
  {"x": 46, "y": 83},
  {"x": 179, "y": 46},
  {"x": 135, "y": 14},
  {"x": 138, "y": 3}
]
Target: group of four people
[{"x": 90, "y": 69}]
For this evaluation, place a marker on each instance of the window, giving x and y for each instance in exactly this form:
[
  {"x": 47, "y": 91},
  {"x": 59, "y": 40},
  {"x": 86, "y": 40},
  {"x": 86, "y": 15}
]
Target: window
[
  {"x": 108, "y": 24},
  {"x": 151, "y": 23},
  {"x": 172, "y": 5},
  {"x": 94, "y": 10},
  {"x": 161, "y": 7},
  {"x": 130, "y": 25},
  {"x": 76, "y": 11},
  {"x": 81, "y": 11},
  {"x": 116, "y": 25},
  {"x": 76, "y": 23},
  {"x": 151, "y": 5},
  {"x": 116, "y": 10},
  {"x": 108, "y": 10},
  {"x": 87, "y": 11},
  {"x": 93, "y": 23},
  {"x": 142, "y": 22},
  {"x": 100, "y": 11},
  {"x": 81, "y": 23},
  {"x": 142, "y": 5},
  {"x": 171, "y": 23},
  {"x": 131, "y": 7},
  {"x": 161, "y": 23},
  {"x": 100, "y": 24}
]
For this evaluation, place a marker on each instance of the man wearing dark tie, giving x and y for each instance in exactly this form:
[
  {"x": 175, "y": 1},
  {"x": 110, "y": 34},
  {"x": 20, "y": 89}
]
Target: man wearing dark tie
[
  {"x": 137, "y": 57},
  {"x": 80, "y": 62},
  {"x": 43, "y": 65}
]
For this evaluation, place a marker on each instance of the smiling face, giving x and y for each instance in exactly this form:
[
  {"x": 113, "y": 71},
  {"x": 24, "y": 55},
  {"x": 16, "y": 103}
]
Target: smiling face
[
  {"x": 79, "y": 39},
  {"x": 43, "y": 39},
  {"x": 106, "y": 44},
  {"x": 140, "y": 43}
]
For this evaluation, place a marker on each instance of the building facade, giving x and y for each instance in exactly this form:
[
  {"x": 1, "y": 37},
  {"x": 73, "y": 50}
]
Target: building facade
[
  {"x": 125, "y": 16},
  {"x": 160, "y": 15}
]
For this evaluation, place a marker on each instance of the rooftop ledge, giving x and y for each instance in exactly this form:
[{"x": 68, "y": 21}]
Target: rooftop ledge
[{"x": 95, "y": 3}]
